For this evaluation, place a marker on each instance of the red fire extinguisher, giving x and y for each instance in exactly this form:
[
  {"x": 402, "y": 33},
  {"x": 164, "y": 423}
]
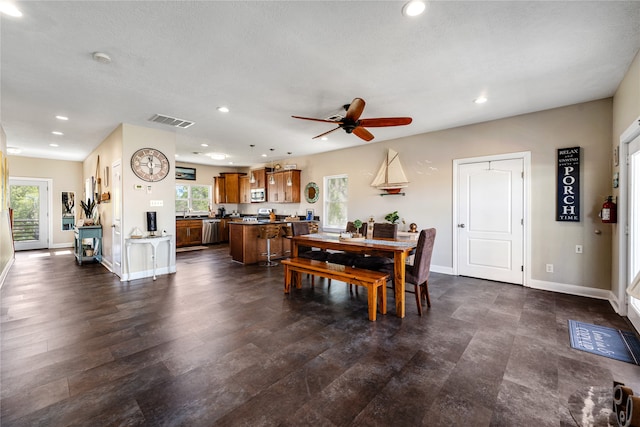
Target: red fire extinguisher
[{"x": 609, "y": 212}]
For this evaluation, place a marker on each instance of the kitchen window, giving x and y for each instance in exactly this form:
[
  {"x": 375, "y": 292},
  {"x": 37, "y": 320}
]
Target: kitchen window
[
  {"x": 335, "y": 202},
  {"x": 193, "y": 198}
]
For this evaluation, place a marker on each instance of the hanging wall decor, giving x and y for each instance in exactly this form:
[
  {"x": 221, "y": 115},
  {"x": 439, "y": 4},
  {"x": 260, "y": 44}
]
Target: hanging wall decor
[{"x": 568, "y": 187}]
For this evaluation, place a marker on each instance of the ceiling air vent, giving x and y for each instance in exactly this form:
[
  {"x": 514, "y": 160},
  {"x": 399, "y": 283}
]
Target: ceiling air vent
[{"x": 171, "y": 121}]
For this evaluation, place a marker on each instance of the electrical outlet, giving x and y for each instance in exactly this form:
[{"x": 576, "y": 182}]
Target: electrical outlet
[
  {"x": 578, "y": 249},
  {"x": 549, "y": 268}
]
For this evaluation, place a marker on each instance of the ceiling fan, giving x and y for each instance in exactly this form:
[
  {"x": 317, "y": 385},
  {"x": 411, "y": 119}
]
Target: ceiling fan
[{"x": 352, "y": 123}]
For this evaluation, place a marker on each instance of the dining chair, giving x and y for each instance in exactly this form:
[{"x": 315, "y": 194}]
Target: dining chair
[
  {"x": 418, "y": 273},
  {"x": 299, "y": 229},
  {"x": 382, "y": 229}
]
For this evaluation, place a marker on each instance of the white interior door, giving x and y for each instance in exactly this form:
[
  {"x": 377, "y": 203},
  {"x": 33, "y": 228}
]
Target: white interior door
[
  {"x": 633, "y": 249},
  {"x": 490, "y": 220},
  {"x": 116, "y": 226},
  {"x": 29, "y": 199}
]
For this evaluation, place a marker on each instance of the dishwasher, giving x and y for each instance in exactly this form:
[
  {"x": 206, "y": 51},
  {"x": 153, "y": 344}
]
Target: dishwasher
[{"x": 210, "y": 231}]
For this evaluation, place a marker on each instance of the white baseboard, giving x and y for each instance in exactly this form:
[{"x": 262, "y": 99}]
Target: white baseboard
[
  {"x": 576, "y": 290},
  {"x": 441, "y": 269},
  {"x": 5, "y": 271}
]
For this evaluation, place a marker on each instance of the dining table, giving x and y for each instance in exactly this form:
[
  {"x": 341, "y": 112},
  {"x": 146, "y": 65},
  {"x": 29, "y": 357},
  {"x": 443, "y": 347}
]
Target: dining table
[{"x": 399, "y": 249}]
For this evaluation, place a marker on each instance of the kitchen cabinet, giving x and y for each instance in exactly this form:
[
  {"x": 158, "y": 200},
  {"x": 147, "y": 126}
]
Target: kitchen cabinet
[
  {"x": 188, "y": 232},
  {"x": 280, "y": 191},
  {"x": 223, "y": 229},
  {"x": 260, "y": 178},
  {"x": 227, "y": 187},
  {"x": 245, "y": 190},
  {"x": 247, "y": 248}
]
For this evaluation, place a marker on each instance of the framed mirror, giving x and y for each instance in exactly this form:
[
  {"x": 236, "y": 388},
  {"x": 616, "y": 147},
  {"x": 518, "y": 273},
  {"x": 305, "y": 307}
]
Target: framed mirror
[
  {"x": 68, "y": 210},
  {"x": 312, "y": 192}
]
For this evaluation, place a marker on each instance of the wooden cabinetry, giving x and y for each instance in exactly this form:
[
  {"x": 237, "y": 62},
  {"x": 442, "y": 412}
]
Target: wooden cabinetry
[
  {"x": 247, "y": 248},
  {"x": 259, "y": 177},
  {"x": 188, "y": 232},
  {"x": 285, "y": 187},
  {"x": 245, "y": 190},
  {"x": 223, "y": 230},
  {"x": 227, "y": 187}
]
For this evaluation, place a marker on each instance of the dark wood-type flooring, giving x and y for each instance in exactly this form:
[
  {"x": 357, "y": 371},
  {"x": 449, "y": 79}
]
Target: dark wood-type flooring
[{"x": 219, "y": 344}]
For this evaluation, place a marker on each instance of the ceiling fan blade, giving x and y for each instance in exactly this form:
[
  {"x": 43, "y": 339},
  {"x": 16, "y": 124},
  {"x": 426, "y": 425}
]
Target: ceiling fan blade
[
  {"x": 385, "y": 121},
  {"x": 316, "y": 120},
  {"x": 355, "y": 109},
  {"x": 363, "y": 133},
  {"x": 326, "y": 133}
]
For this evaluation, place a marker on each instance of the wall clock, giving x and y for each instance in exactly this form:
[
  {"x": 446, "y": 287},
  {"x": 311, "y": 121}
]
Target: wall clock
[{"x": 150, "y": 164}]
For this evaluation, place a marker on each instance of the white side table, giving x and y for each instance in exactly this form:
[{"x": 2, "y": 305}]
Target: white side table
[{"x": 154, "y": 241}]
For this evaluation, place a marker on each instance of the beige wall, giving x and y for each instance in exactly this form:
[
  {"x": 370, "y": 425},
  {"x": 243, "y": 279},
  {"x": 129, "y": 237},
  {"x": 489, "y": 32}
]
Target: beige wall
[
  {"x": 65, "y": 176},
  {"x": 626, "y": 108},
  {"x": 428, "y": 163}
]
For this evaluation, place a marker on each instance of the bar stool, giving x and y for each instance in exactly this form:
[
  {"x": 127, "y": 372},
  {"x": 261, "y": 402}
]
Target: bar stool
[{"x": 268, "y": 232}]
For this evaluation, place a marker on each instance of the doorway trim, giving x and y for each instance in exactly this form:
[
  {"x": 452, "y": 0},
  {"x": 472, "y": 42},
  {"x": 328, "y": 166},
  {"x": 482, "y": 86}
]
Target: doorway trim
[
  {"x": 620, "y": 298},
  {"x": 525, "y": 156},
  {"x": 49, "y": 220}
]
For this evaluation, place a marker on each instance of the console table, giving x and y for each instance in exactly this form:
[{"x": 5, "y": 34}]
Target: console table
[
  {"x": 154, "y": 241},
  {"x": 93, "y": 232}
]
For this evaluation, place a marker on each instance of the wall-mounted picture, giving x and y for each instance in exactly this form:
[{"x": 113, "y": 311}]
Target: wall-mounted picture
[{"x": 185, "y": 173}]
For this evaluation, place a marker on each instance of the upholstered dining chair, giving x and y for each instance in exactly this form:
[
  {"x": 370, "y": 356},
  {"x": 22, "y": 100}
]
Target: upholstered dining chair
[
  {"x": 418, "y": 273},
  {"x": 382, "y": 229},
  {"x": 299, "y": 229}
]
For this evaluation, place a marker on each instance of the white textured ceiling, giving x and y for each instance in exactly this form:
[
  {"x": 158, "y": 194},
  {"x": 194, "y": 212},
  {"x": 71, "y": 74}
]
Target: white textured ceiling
[{"x": 270, "y": 60}]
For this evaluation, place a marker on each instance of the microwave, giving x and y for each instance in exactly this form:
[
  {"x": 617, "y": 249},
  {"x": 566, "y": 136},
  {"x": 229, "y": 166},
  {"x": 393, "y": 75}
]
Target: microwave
[{"x": 258, "y": 195}]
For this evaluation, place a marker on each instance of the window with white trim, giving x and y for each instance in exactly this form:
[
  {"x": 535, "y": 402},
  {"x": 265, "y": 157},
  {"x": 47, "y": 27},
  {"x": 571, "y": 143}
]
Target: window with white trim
[
  {"x": 193, "y": 198},
  {"x": 336, "y": 197}
]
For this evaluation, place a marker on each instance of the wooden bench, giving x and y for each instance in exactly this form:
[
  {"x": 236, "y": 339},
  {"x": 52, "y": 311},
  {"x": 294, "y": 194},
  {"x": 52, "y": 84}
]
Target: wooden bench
[{"x": 374, "y": 281}]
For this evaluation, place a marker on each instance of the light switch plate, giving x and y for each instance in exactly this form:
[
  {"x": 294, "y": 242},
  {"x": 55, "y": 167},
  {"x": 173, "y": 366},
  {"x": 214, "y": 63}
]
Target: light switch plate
[{"x": 155, "y": 203}]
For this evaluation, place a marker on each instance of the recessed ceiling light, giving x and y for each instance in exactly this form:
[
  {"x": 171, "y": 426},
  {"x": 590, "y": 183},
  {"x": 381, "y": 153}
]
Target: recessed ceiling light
[
  {"x": 480, "y": 100},
  {"x": 204, "y": 145},
  {"x": 414, "y": 8},
  {"x": 264, "y": 155},
  {"x": 55, "y": 132},
  {"x": 230, "y": 163},
  {"x": 223, "y": 109},
  {"x": 324, "y": 138},
  {"x": 62, "y": 118},
  {"x": 53, "y": 145},
  {"x": 176, "y": 155},
  {"x": 10, "y": 9},
  {"x": 218, "y": 156},
  {"x": 13, "y": 150}
]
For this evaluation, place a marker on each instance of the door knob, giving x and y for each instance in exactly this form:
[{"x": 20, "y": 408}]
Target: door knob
[{"x": 460, "y": 225}]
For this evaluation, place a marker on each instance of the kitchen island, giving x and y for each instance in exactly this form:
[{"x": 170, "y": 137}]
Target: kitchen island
[{"x": 247, "y": 248}]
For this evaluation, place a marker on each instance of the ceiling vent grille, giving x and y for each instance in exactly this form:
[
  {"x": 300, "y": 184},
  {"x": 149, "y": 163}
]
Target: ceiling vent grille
[{"x": 171, "y": 121}]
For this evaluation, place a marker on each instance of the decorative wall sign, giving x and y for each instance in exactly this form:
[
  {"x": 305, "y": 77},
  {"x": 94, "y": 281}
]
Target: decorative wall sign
[{"x": 568, "y": 190}]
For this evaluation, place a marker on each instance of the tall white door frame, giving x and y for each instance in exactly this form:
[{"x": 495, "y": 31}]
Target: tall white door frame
[
  {"x": 526, "y": 159},
  {"x": 45, "y": 210},
  {"x": 631, "y": 133}
]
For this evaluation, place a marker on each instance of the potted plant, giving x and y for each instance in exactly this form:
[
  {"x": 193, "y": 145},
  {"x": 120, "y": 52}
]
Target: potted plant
[
  {"x": 392, "y": 217},
  {"x": 357, "y": 224},
  {"x": 87, "y": 208}
]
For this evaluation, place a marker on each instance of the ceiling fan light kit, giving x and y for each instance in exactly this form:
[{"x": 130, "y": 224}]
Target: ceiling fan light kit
[{"x": 351, "y": 122}]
